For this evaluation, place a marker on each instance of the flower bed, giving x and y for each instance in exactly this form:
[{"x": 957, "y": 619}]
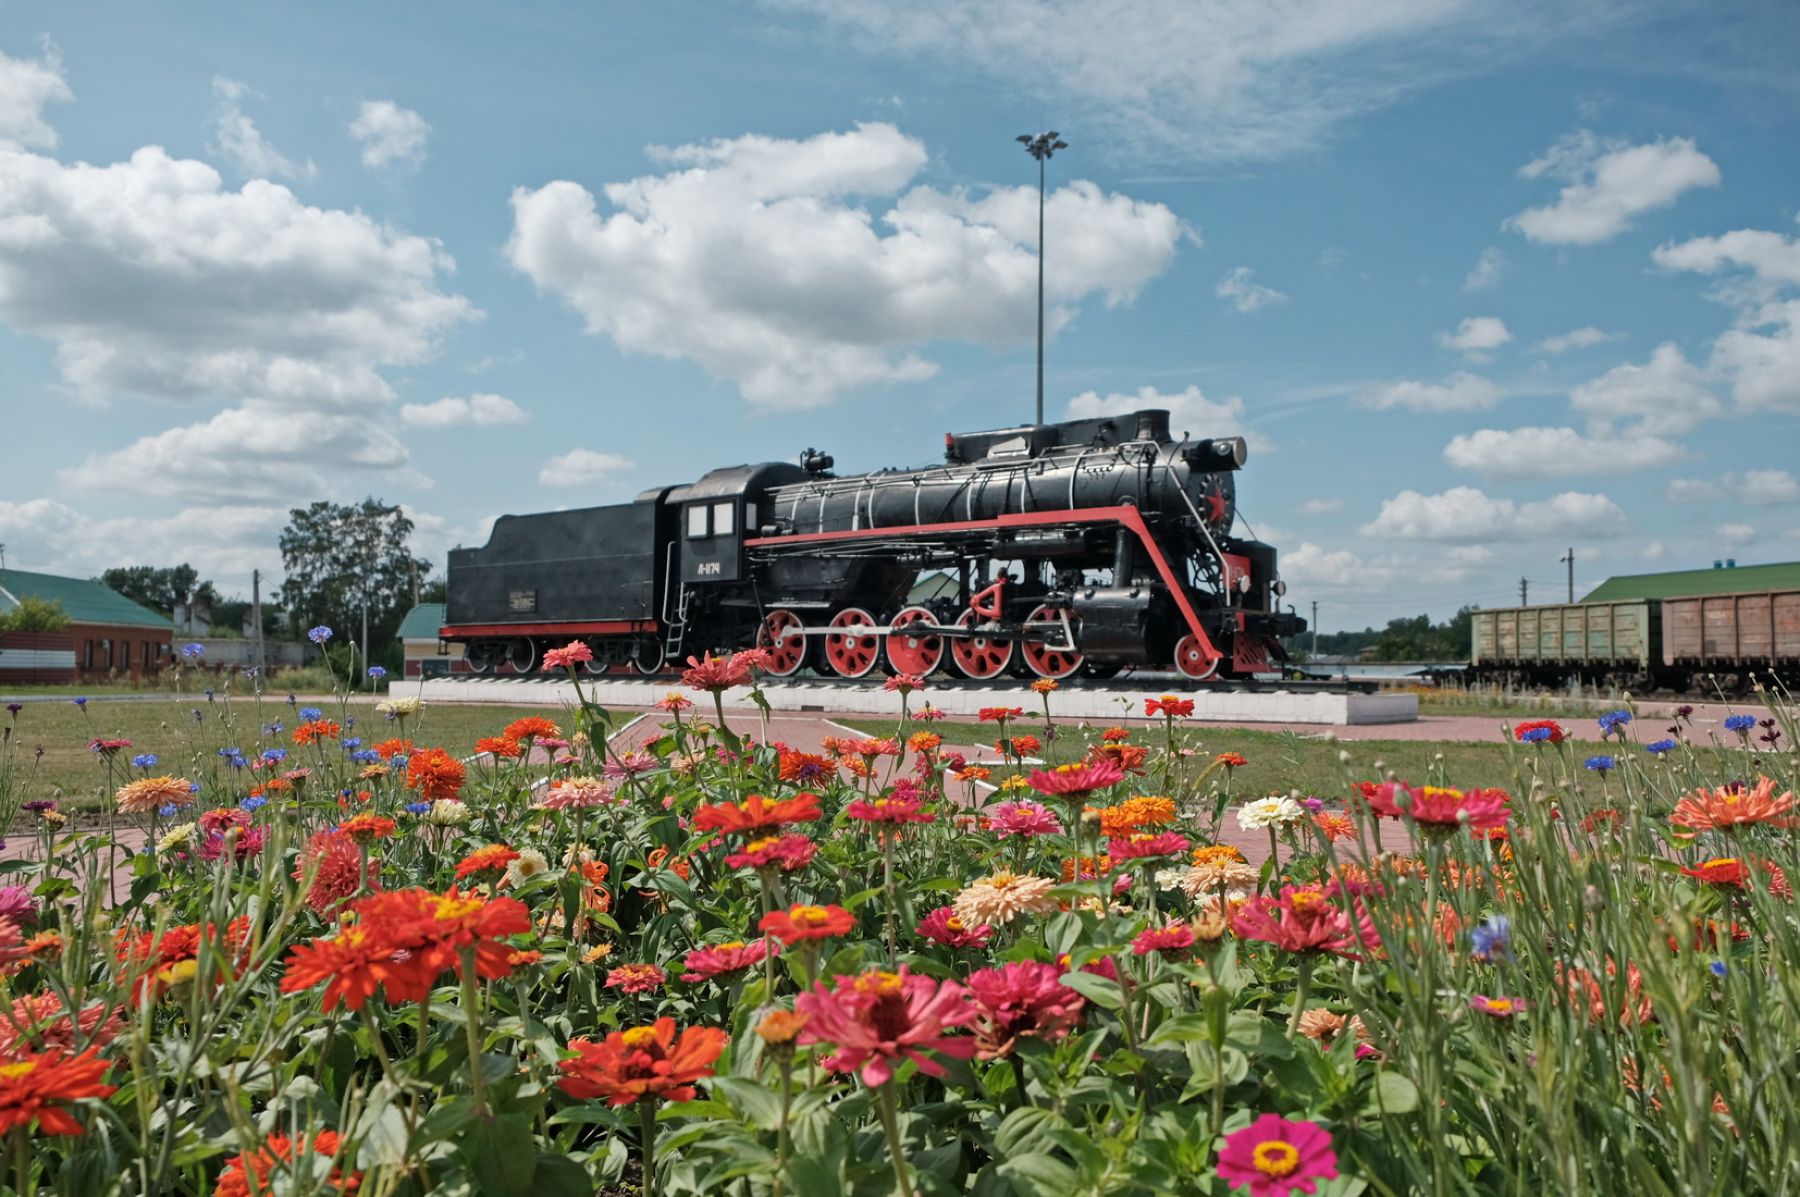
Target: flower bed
[{"x": 350, "y": 961}]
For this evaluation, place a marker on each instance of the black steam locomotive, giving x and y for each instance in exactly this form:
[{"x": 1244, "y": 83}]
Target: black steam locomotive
[{"x": 1042, "y": 551}]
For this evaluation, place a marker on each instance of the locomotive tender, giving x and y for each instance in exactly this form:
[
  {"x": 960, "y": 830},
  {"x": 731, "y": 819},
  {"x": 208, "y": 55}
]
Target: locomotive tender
[{"x": 1079, "y": 547}]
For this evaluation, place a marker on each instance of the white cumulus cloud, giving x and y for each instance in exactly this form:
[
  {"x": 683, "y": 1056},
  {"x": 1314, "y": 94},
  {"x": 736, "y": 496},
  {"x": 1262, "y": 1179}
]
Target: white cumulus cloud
[
  {"x": 1690, "y": 490},
  {"x": 1476, "y": 336},
  {"x": 1459, "y": 392},
  {"x": 453, "y": 411},
  {"x": 1579, "y": 338},
  {"x": 1245, "y": 293},
  {"x": 1761, "y": 354},
  {"x": 582, "y": 467},
  {"x": 1321, "y": 506},
  {"x": 764, "y": 260},
  {"x": 26, "y": 85},
  {"x": 223, "y": 542},
  {"x": 389, "y": 134},
  {"x": 1765, "y": 488},
  {"x": 1668, "y": 394},
  {"x": 1608, "y": 184},
  {"x": 238, "y": 139},
  {"x": 1734, "y": 536},
  {"x": 1465, "y": 514},
  {"x": 1555, "y": 453},
  {"x": 1486, "y": 272}
]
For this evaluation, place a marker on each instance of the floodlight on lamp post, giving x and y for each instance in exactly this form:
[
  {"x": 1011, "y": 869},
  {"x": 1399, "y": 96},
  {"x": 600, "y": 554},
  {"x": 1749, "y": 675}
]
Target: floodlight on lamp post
[{"x": 1041, "y": 146}]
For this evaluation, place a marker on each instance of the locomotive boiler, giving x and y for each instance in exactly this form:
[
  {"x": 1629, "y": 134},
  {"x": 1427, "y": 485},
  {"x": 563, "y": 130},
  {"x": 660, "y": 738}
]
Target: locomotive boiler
[{"x": 1044, "y": 550}]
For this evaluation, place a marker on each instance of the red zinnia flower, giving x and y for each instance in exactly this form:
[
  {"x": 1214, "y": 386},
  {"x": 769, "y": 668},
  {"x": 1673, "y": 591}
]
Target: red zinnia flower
[
  {"x": 35, "y": 1088},
  {"x": 636, "y": 978},
  {"x": 785, "y": 852},
  {"x": 1173, "y": 939},
  {"x": 1074, "y": 781},
  {"x": 1025, "y": 999},
  {"x": 1169, "y": 705},
  {"x": 40, "y": 1022},
  {"x": 252, "y": 1173},
  {"x": 159, "y": 961},
  {"x": 892, "y": 809},
  {"x": 1303, "y": 919},
  {"x": 1435, "y": 805},
  {"x": 999, "y": 714},
  {"x": 486, "y": 863},
  {"x": 1276, "y": 1157},
  {"x": 942, "y": 926},
  {"x": 716, "y": 960},
  {"x": 334, "y": 863},
  {"x": 806, "y": 767},
  {"x": 875, "y": 1020},
  {"x": 1231, "y": 760},
  {"x": 756, "y": 813},
  {"x": 803, "y": 922},
  {"x": 575, "y": 652},
  {"x": 434, "y": 774},
  {"x": 642, "y": 1064},
  {"x": 1147, "y": 847}
]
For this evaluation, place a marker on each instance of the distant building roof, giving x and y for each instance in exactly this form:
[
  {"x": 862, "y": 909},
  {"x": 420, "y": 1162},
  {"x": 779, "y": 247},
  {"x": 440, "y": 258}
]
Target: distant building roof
[
  {"x": 1735, "y": 580},
  {"x": 422, "y": 622},
  {"x": 86, "y": 601}
]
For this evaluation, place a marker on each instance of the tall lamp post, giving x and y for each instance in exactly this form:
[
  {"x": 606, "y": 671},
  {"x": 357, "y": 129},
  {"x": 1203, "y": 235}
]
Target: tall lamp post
[{"x": 1041, "y": 146}]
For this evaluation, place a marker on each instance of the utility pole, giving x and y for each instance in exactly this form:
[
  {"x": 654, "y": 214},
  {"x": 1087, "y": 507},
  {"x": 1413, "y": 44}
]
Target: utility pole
[
  {"x": 1315, "y": 627},
  {"x": 256, "y": 635},
  {"x": 366, "y": 680},
  {"x": 1041, "y": 146},
  {"x": 1570, "y": 562},
  {"x": 1523, "y": 587}
]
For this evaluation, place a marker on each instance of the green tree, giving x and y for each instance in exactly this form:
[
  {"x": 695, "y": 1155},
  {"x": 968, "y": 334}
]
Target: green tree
[
  {"x": 159, "y": 588},
  {"x": 342, "y": 560},
  {"x": 35, "y": 615}
]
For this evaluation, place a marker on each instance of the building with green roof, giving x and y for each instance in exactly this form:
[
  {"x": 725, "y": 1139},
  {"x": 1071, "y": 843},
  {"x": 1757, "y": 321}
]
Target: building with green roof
[
  {"x": 422, "y": 653},
  {"x": 1731, "y": 579},
  {"x": 108, "y": 634}
]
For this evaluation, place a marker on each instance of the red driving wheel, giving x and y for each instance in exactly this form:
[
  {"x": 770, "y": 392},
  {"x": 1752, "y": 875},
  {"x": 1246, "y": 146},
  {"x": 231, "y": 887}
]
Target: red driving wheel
[
  {"x": 1191, "y": 660},
  {"x": 916, "y": 651},
  {"x": 977, "y": 656},
  {"x": 1047, "y": 660},
  {"x": 780, "y": 637},
  {"x": 852, "y": 653}
]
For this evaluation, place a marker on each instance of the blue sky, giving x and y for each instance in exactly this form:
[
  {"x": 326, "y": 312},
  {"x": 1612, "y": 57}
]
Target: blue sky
[{"x": 1480, "y": 282}]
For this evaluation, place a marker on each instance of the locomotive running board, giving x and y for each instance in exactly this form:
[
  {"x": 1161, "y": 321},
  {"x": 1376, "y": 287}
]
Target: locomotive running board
[{"x": 1130, "y": 517}]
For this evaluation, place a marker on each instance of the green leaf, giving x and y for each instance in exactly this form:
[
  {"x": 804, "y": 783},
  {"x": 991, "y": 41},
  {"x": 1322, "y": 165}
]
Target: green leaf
[
  {"x": 560, "y": 1176},
  {"x": 1098, "y": 990},
  {"x": 1039, "y": 1175},
  {"x": 491, "y": 1147},
  {"x": 1392, "y": 1094},
  {"x": 761, "y": 1106}
]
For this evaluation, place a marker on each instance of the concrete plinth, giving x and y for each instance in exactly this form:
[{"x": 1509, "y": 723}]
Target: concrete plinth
[{"x": 1094, "y": 704}]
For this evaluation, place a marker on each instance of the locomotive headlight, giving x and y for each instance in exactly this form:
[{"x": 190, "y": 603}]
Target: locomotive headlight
[
  {"x": 1243, "y": 583},
  {"x": 1280, "y": 588}
]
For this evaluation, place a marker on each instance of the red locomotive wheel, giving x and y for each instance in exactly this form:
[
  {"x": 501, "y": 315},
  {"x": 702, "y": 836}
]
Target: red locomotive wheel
[
  {"x": 1191, "y": 662},
  {"x": 852, "y": 654},
  {"x": 786, "y": 652},
  {"x": 915, "y": 652},
  {"x": 977, "y": 656},
  {"x": 1046, "y": 660}
]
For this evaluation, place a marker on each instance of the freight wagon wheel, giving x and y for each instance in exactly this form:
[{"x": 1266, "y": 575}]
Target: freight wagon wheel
[
  {"x": 521, "y": 655},
  {"x": 916, "y": 652},
  {"x": 852, "y": 654},
  {"x": 786, "y": 653},
  {"x": 978, "y": 657},
  {"x": 1046, "y": 660},
  {"x": 1191, "y": 662}
]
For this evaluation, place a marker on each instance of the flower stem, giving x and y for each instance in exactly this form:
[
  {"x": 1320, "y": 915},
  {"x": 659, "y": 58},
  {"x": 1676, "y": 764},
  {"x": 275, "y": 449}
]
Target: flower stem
[
  {"x": 892, "y": 895},
  {"x": 471, "y": 1002},
  {"x": 890, "y": 1122},
  {"x": 1302, "y": 986},
  {"x": 647, "y": 1135},
  {"x": 781, "y": 1128}
]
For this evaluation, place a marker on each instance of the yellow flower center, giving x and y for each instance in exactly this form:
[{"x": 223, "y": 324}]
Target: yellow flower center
[
  {"x": 1276, "y": 1158},
  {"x": 879, "y": 983},
  {"x": 733, "y": 946},
  {"x": 450, "y": 909},
  {"x": 768, "y": 841},
  {"x": 1306, "y": 899},
  {"x": 1720, "y": 862},
  {"x": 1069, "y": 768},
  {"x": 1002, "y": 879},
  {"x": 1500, "y": 1006},
  {"x": 638, "y": 1037},
  {"x": 953, "y": 924},
  {"x": 809, "y": 916},
  {"x": 13, "y": 1072}
]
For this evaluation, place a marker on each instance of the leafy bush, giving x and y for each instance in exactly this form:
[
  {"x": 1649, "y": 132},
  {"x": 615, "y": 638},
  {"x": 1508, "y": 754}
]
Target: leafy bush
[{"x": 35, "y": 615}]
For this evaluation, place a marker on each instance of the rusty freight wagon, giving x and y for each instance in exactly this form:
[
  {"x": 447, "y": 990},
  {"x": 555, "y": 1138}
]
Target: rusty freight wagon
[
  {"x": 1613, "y": 644},
  {"x": 1731, "y": 636}
]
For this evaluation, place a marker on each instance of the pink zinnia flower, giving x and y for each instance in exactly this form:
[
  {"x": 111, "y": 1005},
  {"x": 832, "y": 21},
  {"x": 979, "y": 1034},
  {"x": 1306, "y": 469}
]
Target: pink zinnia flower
[
  {"x": 574, "y": 653},
  {"x": 1303, "y": 919},
  {"x": 1497, "y": 1007},
  {"x": 1276, "y": 1157},
  {"x": 942, "y": 926},
  {"x": 716, "y": 674},
  {"x": 1173, "y": 939},
  {"x": 1075, "y": 781},
  {"x": 1482, "y": 809},
  {"x": 636, "y": 978},
  {"x": 630, "y": 764},
  {"x": 574, "y": 793},
  {"x": 40, "y": 1023},
  {"x": 785, "y": 852},
  {"x": 674, "y": 703},
  {"x": 875, "y": 1020},
  {"x": 1023, "y": 819},
  {"x": 1024, "y": 999},
  {"x": 895, "y": 809},
  {"x": 716, "y": 960},
  {"x": 905, "y": 683},
  {"x": 1147, "y": 847}
]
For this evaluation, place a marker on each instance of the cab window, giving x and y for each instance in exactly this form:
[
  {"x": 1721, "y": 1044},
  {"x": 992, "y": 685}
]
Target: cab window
[
  {"x": 721, "y": 519},
  {"x": 696, "y": 521}
]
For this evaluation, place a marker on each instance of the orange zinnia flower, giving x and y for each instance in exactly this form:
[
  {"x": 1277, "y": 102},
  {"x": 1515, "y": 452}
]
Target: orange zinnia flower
[
  {"x": 366, "y": 828},
  {"x": 317, "y": 729},
  {"x": 756, "y": 813},
  {"x": 33, "y": 1088},
  {"x": 434, "y": 774},
  {"x": 250, "y": 1173},
  {"x": 500, "y": 746},
  {"x": 159, "y": 961},
  {"x": 642, "y": 1064},
  {"x": 531, "y": 727},
  {"x": 803, "y": 922},
  {"x": 485, "y": 863},
  {"x": 387, "y": 750},
  {"x": 1729, "y": 807}
]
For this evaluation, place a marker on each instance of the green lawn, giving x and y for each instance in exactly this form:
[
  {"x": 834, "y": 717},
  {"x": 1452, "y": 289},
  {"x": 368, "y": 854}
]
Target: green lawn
[
  {"x": 171, "y": 730},
  {"x": 1282, "y": 761}
]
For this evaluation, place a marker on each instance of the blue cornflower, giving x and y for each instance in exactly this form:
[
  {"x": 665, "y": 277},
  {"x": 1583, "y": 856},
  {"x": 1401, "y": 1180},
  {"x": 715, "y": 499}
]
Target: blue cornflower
[
  {"x": 319, "y": 635},
  {"x": 1600, "y": 764},
  {"x": 291, "y": 700},
  {"x": 1492, "y": 938},
  {"x": 310, "y": 713},
  {"x": 1660, "y": 747},
  {"x": 193, "y": 787},
  {"x": 190, "y": 651},
  {"x": 249, "y": 674},
  {"x": 234, "y": 757},
  {"x": 349, "y": 722},
  {"x": 1740, "y": 723},
  {"x": 1718, "y": 968},
  {"x": 255, "y": 802},
  {"x": 1613, "y": 721},
  {"x": 144, "y": 760},
  {"x": 377, "y": 672},
  {"x": 350, "y": 743},
  {"x": 209, "y": 694},
  {"x": 397, "y": 762},
  {"x": 365, "y": 756},
  {"x": 80, "y": 702},
  {"x": 168, "y": 810},
  {"x": 417, "y": 808},
  {"x": 274, "y": 755},
  {"x": 273, "y": 729},
  {"x": 1536, "y": 735}
]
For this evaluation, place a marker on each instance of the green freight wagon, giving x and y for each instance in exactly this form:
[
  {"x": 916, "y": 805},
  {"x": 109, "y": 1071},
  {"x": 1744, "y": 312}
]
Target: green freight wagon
[{"x": 1617, "y": 644}]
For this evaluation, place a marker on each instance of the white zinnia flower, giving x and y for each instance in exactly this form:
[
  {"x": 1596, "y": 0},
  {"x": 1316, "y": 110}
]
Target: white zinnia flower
[
  {"x": 1273, "y": 811},
  {"x": 531, "y": 863},
  {"x": 179, "y": 836},
  {"x": 399, "y": 708},
  {"x": 447, "y": 812}
]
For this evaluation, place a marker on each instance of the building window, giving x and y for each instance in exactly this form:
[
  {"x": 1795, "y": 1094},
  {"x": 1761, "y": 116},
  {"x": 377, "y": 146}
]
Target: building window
[
  {"x": 87, "y": 654},
  {"x": 696, "y": 521}
]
